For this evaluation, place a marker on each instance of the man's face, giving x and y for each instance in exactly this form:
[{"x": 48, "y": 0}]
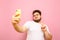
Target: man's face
[{"x": 36, "y": 17}]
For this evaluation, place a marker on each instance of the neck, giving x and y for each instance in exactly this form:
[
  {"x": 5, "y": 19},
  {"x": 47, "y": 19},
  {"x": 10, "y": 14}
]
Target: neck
[{"x": 37, "y": 22}]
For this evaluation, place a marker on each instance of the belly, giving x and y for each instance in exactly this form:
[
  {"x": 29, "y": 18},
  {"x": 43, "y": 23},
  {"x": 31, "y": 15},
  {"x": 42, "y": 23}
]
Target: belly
[{"x": 36, "y": 35}]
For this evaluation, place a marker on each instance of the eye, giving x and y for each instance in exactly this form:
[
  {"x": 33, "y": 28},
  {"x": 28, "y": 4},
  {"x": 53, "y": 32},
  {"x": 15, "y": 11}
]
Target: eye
[{"x": 37, "y": 14}]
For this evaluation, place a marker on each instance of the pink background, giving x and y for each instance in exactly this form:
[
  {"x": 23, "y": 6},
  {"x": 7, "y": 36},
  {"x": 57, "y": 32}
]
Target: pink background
[{"x": 50, "y": 15}]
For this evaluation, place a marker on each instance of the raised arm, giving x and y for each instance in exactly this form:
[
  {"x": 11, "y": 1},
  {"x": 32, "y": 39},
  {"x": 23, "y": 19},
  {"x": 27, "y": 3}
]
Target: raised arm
[{"x": 16, "y": 20}]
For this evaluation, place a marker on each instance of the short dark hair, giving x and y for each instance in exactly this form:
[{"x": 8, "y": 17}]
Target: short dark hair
[{"x": 37, "y": 11}]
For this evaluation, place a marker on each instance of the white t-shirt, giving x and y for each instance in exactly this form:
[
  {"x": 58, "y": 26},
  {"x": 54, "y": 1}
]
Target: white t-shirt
[{"x": 34, "y": 31}]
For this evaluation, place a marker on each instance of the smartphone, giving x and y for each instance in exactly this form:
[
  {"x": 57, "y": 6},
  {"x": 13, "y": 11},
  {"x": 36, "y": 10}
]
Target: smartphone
[{"x": 18, "y": 12}]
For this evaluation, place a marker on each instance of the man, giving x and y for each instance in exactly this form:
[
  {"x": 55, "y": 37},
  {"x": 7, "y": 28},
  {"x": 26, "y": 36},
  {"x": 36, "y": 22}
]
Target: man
[{"x": 36, "y": 30}]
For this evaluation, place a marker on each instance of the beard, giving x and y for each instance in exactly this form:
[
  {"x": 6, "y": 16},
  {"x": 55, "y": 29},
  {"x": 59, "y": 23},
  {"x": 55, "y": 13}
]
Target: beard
[{"x": 37, "y": 20}]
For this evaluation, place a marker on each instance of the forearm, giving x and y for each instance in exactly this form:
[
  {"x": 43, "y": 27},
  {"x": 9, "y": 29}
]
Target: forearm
[
  {"x": 47, "y": 35},
  {"x": 17, "y": 27}
]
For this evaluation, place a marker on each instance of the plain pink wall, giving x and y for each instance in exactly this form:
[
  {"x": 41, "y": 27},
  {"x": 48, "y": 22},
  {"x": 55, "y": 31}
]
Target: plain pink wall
[{"x": 50, "y": 15}]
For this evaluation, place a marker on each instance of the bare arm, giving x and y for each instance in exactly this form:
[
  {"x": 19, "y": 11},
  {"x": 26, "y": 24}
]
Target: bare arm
[
  {"x": 15, "y": 22},
  {"x": 47, "y": 35},
  {"x": 19, "y": 28}
]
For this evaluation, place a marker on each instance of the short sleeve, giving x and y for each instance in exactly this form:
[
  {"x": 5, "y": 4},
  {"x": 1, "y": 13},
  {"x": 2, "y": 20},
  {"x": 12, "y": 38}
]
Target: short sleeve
[{"x": 26, "y": 25}]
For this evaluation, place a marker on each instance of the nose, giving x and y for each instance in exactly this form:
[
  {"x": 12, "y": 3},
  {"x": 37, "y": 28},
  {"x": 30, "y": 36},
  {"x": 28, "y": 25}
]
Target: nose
[{"x": 35, "y": 16}]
